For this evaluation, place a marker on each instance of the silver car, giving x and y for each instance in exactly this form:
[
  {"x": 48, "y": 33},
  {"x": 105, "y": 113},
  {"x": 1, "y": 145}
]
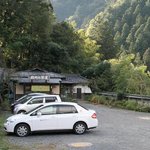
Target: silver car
[
  {"x": 24, "y": 98},
  {"x": 35, "y": 101}
]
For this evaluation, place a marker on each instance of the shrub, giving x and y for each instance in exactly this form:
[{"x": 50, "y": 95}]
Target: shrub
[
  {"x": 5, "y": 105},
  {"x": 124, "y": 104},
  {"x": 120, "y": 96},
  {"x": 144, "y": 108},
  {"x": 131, "y": 105},
  {"x": 119, "y": 104}
]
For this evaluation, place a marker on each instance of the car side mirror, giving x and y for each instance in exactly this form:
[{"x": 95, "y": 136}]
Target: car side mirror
[{"x": 39, "y": 113}]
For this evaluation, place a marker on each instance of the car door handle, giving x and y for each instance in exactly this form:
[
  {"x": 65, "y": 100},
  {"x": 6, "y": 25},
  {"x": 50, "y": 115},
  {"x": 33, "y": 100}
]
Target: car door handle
[{"x": 43, "y": 119}]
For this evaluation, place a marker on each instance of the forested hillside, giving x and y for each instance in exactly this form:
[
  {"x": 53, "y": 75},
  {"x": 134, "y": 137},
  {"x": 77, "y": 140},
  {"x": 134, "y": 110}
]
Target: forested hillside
[
  {"x": 31, "y": 37},
  {"x": 113, "y": 51},
  {"x": 129, "y": 22},
  {"x": 80, "y": 11},
  {"x": 122, "y": 32}
]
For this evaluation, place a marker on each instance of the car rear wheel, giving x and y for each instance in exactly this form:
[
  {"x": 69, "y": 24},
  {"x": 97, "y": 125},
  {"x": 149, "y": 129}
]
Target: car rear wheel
[
  {"x": 80, "y": 127},
  {"x": 22, "y": 130}
]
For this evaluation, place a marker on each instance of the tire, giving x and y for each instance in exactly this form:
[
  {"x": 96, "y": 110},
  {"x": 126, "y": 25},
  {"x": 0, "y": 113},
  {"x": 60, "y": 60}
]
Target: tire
[
  {"x": 22, "y": 130},
  {"x": 80, "y": 128},
  {"x": 21, "y": 112}
]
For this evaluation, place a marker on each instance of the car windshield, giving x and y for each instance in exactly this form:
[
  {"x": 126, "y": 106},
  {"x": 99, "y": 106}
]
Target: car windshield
[
  {"x": 28, "y": 96},
  {"x": 33, "y": 109},
  {"x": 25, "y": 99}
]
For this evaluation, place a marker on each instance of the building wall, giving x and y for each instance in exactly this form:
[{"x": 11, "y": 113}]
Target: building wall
[
  {"x": 55, "y": 89},
  {"x": 19, "y": 89},
  {"x": 84, "y": 88}
]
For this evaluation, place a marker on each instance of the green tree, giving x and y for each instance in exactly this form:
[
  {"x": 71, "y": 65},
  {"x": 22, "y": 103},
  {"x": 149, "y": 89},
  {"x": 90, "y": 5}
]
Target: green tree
[
  {"x": 121, "y": 70},
  {"x": 118, "y": 38},
  {"x": 146, "y": 58},
  {"x": 71, "y": 52},
  {"x": 138, "y": 60},
  {"x": 125, "y": 31},
  {"x": 100, "y": 77},
  {"x": 24, "y": 24},
  {"x": 101, "y": 32}
]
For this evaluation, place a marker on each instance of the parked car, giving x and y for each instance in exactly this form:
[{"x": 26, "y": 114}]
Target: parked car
[
  {"x": 24, "y": 98},
  {"x": 34, "y": 101},
  {"x": 52, "y": 116}
]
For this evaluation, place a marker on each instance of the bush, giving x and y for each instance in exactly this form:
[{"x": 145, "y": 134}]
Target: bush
[
  {"x": 119, "y": 104},
  {"x": 5, "y": 105},
  {"x": 144, "y": 108},
  {"x": 131, "y": 105},
  {"x": 124, "y": 104},
  {"x": 120, "y": 96}
]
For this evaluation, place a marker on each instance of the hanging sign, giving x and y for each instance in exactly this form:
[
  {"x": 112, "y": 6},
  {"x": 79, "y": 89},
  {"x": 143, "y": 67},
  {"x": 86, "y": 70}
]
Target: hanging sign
[{"x": 34, "y": 77}]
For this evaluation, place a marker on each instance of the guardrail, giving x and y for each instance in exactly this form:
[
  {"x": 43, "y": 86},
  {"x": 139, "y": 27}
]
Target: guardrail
[{"x": 128, "y": 96}]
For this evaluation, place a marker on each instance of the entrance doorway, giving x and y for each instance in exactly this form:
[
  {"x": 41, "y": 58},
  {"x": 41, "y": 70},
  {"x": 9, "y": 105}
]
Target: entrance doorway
[{"x": 79, "y": 94}]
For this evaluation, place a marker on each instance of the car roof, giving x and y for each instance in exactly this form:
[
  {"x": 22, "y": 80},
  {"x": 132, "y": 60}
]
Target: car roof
[
  {"x": 47, "y": 95},
  {"x": 60, "y": 103},
  {"x": 36, "y": 94}
]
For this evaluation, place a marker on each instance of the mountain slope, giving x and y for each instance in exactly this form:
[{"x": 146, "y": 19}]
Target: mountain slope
[
  {"x": 129, "y": 21},
  {"x": 79, "y": 10}
]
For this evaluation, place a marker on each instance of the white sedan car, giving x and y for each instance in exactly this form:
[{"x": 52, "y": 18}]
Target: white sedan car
[{"x": 53, "y": 116}]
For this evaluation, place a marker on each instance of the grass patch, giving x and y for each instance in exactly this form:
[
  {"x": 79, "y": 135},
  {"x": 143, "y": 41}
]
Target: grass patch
[{"x": 3, "y": 143}]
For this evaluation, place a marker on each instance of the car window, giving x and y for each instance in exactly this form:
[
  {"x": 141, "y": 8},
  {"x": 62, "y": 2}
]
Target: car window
[
  {"x": 49, "y": 110},
  {"x": 66, "y": 109},
  {"x": 25, "y": 99},
  {"x": 33, "y": 114},
  {"x": 36, "y": 101},
  {"x": 50, "y": 99}
]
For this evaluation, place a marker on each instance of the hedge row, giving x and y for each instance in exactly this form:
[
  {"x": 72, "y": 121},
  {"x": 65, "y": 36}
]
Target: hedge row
[{"x": 124, "y": 104}]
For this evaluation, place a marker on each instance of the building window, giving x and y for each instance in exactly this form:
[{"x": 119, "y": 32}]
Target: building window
[
  {"x": 27, "y": 89},
  {"x": 40, "y": 88}
]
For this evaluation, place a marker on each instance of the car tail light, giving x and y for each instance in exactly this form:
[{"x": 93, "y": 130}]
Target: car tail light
[{"x": 94, "y": 116}]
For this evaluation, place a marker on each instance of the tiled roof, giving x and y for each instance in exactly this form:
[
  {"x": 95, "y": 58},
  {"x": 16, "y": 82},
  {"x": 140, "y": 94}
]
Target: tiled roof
[
  {"x": 51, "y": 77},
  {"x": 26, "y": 74},
  {"x": 74, "y": 78}
]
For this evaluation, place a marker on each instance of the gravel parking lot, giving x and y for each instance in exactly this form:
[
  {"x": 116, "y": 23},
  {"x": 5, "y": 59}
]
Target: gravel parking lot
[{"x": 118, "y": 130}]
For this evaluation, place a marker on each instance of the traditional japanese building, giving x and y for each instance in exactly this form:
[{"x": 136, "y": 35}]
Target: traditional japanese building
[{"x": 38, "y": 80}]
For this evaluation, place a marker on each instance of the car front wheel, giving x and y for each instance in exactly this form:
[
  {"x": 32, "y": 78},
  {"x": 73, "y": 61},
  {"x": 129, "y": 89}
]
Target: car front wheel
[
  {"x": 22, "y": 130},
  {"x": 80, "y": 127}
]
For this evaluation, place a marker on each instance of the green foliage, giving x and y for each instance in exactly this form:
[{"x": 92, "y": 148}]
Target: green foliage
[
  {"x": 130, "y": 24},
  {"x": 101, "y": 32},
  {"x": 131, "y": 105},
  {"x": 3, "y": 143},
  {"x": 24, "y": 24},
  {"x": 128, "y": 77},
  {"x": 100, "y": 100},
  {"x": 71, "y": 49},
  {"x": 110, "y": 52},
  {"x": 120, "y": 95},
  {"x": 31, "y": 38},
  {"x": 124, "y": 104},
  {"x": 146, "y": 58},
  {"x": 100, "y": 77},
  {"x": 5, "y": 105}
]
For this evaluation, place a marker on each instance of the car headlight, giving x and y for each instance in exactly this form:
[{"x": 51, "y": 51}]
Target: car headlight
[{"x": 10, "y": 121}]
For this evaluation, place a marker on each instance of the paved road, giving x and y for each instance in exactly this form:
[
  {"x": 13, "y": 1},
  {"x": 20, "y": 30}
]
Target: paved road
[{"x": 118, "y": 130}]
